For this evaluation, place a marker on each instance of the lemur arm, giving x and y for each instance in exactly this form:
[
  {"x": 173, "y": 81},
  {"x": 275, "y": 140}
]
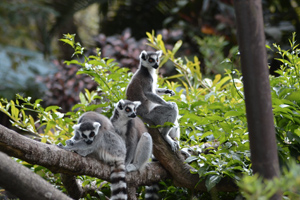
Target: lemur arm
[
  {"x": 162, "y": 91},
  {"x": 78, "y": 146},
  {"x": 155, "y": 98}
]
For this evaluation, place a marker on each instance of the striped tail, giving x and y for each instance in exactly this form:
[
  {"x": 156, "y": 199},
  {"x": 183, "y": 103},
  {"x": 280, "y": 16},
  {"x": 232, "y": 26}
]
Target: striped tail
[
  {"x": 151, "y": 192},
  {"x": 118, "y": 183}
]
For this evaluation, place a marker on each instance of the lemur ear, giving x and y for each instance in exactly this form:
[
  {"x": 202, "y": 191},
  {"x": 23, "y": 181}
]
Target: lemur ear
[
  {"x": 96, "y": 125},
  {"x": 159, "y": 53},
  {"x": 137, "y": 103},
  {"x": 76, "y": 126},
  {"x": 121, "y": 104},
  {"x": 143, "y": 55}
]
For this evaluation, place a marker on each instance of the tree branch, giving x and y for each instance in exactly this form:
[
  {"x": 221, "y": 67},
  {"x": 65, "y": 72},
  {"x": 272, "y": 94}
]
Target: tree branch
[
  {"x": 75, "y": 190},
  {"x": 180, "y": 172},
  {"x": 61, "y": 161},
  {"x": 25, "y": 184}
]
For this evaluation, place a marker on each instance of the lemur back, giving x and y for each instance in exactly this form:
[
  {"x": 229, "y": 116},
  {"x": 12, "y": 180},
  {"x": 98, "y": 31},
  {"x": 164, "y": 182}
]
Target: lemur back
[
  {"x": 134, "y": 133},
  {"x": 153, "y": 109},
  {"x": 95, "y": 136}
]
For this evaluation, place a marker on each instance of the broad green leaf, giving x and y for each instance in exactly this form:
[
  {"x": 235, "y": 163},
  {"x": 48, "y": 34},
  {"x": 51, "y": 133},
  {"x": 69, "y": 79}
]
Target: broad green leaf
[
  {"x": 211, "y": 181},
  {"x": 206, "y": 134},
  {"x": 294, "y": 96},
  {"x": 191, "y": 159},
  {"x": 233, "y": 113}
]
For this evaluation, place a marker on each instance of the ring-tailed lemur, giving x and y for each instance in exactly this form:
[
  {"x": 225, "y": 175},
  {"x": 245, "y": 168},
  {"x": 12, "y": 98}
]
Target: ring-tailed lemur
[
  {"x": 134, "y": 133},
  {"x": 95, "y": 136},
  {"x": 153, "y": 109}
]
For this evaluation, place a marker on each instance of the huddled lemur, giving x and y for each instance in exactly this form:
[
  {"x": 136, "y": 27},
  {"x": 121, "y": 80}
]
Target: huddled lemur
[
  {"x": 133, "y": 131},
  {"x": 95, "y": 136},
  {"x": 153, "y": 108}
]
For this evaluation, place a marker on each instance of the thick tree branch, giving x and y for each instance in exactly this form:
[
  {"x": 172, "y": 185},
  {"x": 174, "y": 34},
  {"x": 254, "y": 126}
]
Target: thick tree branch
[
  {"x": 180, "y": 172},
  {"x": 25, "y": 184},
  {"x": 60, "y": 161}
]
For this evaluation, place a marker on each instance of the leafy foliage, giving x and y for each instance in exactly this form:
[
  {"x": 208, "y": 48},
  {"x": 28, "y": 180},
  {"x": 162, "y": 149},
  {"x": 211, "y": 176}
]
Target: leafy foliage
[
  {"x": 253, "y": 187},
  {"x": 286, "y": 102},
  {"x": 212, "y": 112}
]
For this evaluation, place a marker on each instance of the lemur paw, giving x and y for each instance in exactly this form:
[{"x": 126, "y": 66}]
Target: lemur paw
[
  {"x": 69, "y": 143},
  {"x": 171, "y": 92},
  {"x": 131, "y": 168},
  {"x": 175, "y": 146},
  {"x": 60, "y": 145}
]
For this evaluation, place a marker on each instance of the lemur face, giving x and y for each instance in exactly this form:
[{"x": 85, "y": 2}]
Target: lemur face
[
  {"x": 87, "y": 131},
  {"x": 150, "y": 60},
  {"x": 128, "y": 108}
]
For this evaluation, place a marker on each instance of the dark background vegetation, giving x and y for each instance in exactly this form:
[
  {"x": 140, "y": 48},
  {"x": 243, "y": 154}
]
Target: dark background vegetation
[{"x": 32, "y": 56}]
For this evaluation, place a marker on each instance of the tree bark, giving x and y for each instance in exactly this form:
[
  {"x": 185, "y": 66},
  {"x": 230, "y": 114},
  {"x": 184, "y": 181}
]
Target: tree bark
[
  {"x": 255, "y": 71},
  {"x": 75, "y": 191},
  {"x": 25, "y": 184}
]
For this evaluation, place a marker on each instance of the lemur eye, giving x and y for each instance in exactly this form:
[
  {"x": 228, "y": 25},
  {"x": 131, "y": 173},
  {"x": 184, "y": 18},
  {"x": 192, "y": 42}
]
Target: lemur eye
[
  {"x": 92, "y": 134},
  {"x": 127, "y": 109},
  {"x": 83, "y": 135},
  {"x": 151, "y": 60}
]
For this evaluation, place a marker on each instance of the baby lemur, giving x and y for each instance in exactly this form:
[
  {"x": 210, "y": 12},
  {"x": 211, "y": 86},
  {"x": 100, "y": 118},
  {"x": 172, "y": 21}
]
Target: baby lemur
[
  {"x": 95, "y": 136},
  {"x": 153, "y": 109},
  {"x": 134, "y": 133}
]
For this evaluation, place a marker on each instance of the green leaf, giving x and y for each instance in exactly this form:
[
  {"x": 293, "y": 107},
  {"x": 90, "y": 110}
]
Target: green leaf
[
  {"x": 82, "y": 98},
  {"x": 221, "y": 82},
  {"x": 191, "y": 159},
  {"x": 176, "y": 46},
  {"x": 68, "y": 42},
  {"x": 233, "y": 113},
  {"x": 208, "y": 133},
  {"x": 215, "y": 118},
  {"x": 294, "y": 96},
  {"x": 52, "y": 108},
  {"x": 211, "y": 181}
]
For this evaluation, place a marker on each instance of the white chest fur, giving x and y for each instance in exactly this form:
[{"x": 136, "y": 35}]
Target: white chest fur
[
  {"x": 121, "y": 126},
  {"x": 154, "y": 87},
  {"x": 154, "y": 77}
]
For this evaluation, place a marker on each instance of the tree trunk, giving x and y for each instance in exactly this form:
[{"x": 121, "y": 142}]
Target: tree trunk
[
  {"x": 25, "y": 184},
  {"x": 255, "y": 71}
]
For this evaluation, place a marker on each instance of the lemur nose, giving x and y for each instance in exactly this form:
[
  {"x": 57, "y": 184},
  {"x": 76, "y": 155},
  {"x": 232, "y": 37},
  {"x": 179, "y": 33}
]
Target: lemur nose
[
  {"x": 133, "y": 115},
  {"x": 89, "y": 142}
]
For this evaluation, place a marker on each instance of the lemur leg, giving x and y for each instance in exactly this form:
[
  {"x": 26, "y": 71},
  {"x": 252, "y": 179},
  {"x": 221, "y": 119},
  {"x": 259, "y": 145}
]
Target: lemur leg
[
  {"x": 161, "y": 114},
  {"x": 142, "y": 154},
  {"x": 175, "y": 131}
]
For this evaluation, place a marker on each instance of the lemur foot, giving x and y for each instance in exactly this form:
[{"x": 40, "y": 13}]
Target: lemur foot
[
  {"x": 175, "y": 146},
  {"x": 131, "y": 168},
  {"x": 172, "y": 105}
]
